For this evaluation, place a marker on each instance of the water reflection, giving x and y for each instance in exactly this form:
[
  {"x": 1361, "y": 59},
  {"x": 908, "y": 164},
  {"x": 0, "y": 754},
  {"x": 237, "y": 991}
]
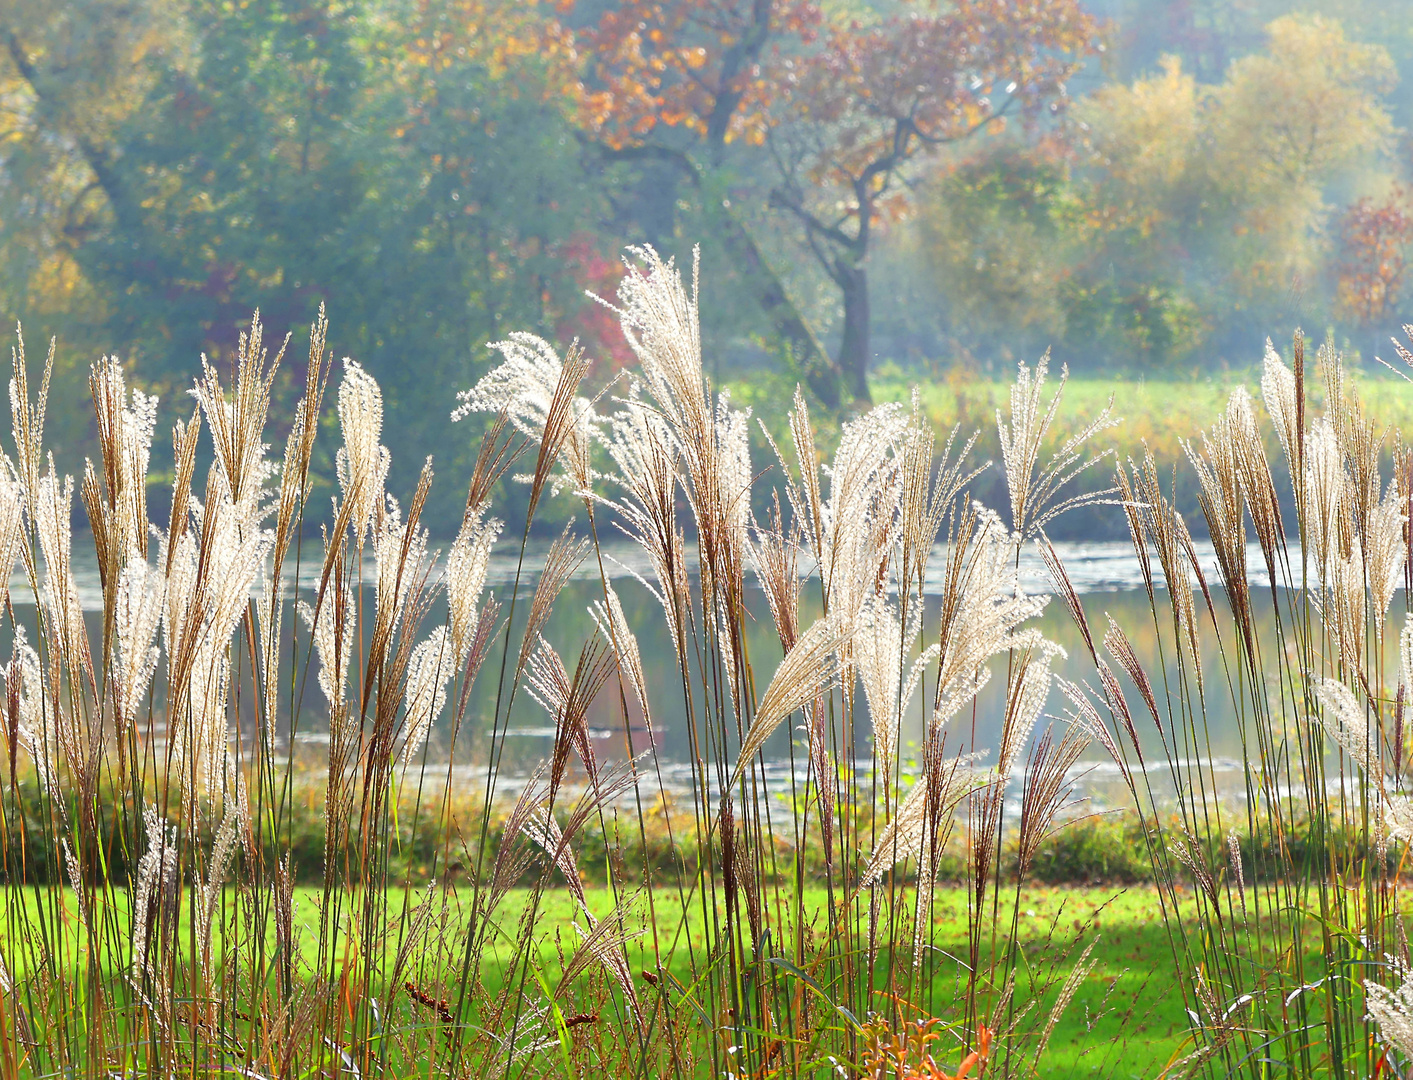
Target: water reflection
[{"x": 1107, "y": 576}]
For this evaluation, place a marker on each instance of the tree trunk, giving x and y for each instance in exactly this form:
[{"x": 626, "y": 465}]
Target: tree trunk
[
  {"x": 655, "y": 202},
  {"x": 853, "y": 349},
  {"x": 821, "y": 374}
]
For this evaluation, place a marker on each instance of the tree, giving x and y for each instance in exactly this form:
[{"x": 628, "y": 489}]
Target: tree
[
  {"x": 70, "y": 75},
  {"x": 865, "y": 106},
  {"x": 681, "y": 85},
  {"x": 1374, "y": 238},
  {"x": 998, "y": 232},
  {"x": 1176, "y": 216},
  {"x": 481, "y": 218},
  {"x": 1221, "y": 189},
  {"x": 411, "y": 162},
  {"x": 1282, "y": 126}
]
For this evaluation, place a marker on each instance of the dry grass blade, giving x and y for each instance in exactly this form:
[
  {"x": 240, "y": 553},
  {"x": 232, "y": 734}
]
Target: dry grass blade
[
  {"x": 493, "y": 459},
  {"x": 138, "y": 606},
  {"x": 557, "y": 843},
  {"x": 1118, "y": 706},
  {"x": 775, "y": 554},
  {"x": 930, "y": 798},
  {"x": 568, "y": 699},
  {"x": 11, "y": 527},
  {"x": 51, "y": 507},
  {"x": 1133, "y": 514},
  {"x": 537, "y": 392},
  {"x": 1033, "y": 489},
  {"x": 563, "y": 558},
  {"x": 1121, "y": 649},
  {"x": 1279, "y": 392},
  {"x": 1165, "y": 532},
  {"x": 362, "y": 462},
  {"x": 299, "y": 446},
  {"x": 1087, "y": 717},
  {"x": 27, "y": 418},
  {"x": 428, "y": 672},
  {"x": 660, "y": 321},
  {"x": 1351, "y": 727},
  {"x": 475, "y": 656},
  {"x": 809, "y": 510},
  {"x": 925, "y": 502},
  {"x": 402, "y": 569},
  {"x": 1047, "y": 785},
  {"x": 467, "y": 563},
  {"x": 332, "y": 626},
  {"x": 642, "y": 449},
  {"x": 1061, "y": 579},
  {"x": 879, "y": 643},
  {"x": 983, "y": 609},
  {"x": 512, "y": 858},
  {"x": 603, "y": 942},
  {"x": 1083, "y": 966},
  {"x": 1393, "y": 1010},
  {"x": 209, "y": 892},
  {"x": 1187, "y": 852},
  {"x": 237, "y": 424},
  {"x": 1256, "y": 482},
  {"x": 125, "y": 439},
  {"x": 1026, "y": 694},
  {"x": 801, "y": 677},
  {"x": 1219, "y": 472},
  {"x": 154, "y": 900},
  {"x": 613, "y": 624},
  {"x": 184, "y": 439},
  {"x": 542, "y": 828}
]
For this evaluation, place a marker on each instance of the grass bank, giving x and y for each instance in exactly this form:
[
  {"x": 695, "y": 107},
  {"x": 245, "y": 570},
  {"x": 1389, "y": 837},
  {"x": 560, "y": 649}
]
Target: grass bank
[{"x": 1126, "y": 1018}]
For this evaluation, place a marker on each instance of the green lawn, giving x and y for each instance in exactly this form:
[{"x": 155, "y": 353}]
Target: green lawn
[
  {"x": 1158, "y": 411},
  {"x": 1125, "y": 1020}
]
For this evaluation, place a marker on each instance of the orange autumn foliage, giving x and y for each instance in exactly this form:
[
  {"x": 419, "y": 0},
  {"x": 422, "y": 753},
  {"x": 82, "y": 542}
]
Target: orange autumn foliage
[
  {"x": 1374, "y": 240},
  {"x": 712, "y": 68},
  {"x": 907, "y": 1054},
  {"x": 882, "y": 94}
]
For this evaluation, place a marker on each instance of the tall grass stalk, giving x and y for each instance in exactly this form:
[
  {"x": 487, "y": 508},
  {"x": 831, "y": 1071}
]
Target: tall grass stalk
[
  {"x": 1306, "y": 974},
  {"x": 171, "y": 932}
]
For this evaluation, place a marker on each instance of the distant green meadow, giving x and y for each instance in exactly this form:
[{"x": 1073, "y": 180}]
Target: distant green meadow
[{"x": 1157, "y": 412}]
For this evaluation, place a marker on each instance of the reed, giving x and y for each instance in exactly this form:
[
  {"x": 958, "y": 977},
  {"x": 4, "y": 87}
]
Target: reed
[
  {"x": 1319, "y": 691},
  {"x": 165, "y": 743}
]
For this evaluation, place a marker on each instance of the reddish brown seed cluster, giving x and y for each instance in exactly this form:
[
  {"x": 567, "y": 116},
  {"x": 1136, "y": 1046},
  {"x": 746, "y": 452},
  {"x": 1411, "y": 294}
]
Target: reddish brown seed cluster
[{"x": 439, "y": 1005}]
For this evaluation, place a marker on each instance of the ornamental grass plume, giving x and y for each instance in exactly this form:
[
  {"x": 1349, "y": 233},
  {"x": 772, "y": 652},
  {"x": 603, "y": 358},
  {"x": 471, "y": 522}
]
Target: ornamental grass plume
[
  {"x": 154, "y": 895},
  {"x": 1392, "y": 1010},
  {"x": 606, "y": 908},
  {"x": 1033, "y": 488},
  {"x": 117, "y": 505},
  {"x": 804, "y": 674},
  {"x": 362, "y": 460},
  {"x": 1278, "y": 391},
  {"x": 428, "y": 672},
  {"x": 1303, "y": 663},
  {"x": 904, "y": 834},
  {"x": 534, "y": 389},
  {"x": 877, "y": 643},
  {"x": 1223, "y": 502},
  {"x": 613, "y": 625},
  {"x": 332, "y": 627}
]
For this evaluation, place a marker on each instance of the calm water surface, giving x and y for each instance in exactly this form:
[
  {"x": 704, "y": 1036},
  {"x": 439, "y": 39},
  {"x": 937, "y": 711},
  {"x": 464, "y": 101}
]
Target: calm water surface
[{"x": 1107, "y": 576}]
